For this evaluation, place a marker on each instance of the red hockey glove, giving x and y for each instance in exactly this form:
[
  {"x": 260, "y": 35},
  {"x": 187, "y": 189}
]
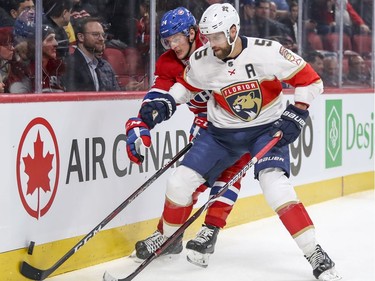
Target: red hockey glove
[{"x": 138, "y": 135}]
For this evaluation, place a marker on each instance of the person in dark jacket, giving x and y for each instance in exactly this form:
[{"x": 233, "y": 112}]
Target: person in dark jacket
[
  {"x": 86, "y": 69},
  {"x": 57, "y": 16}
]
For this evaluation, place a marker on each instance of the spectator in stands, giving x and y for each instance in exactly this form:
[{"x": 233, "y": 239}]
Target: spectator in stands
[
  {"x": 263, "y": 26},
  {"x": 330, "y": 72},
  {"x": 323, "y": 12},
  {"x": 358, "y": 74},
  {"x": 82, "y": 9},
  {"x": 23, "y": 80},
  {"x": 355, "y": 20},
  {"x": 122, "y": 21},
  {"x": 273, "y": 11},
  {"x": 291, "y": 21},
  {"x": 6, "y": 55},
  {"x": 247, "y": 15},
  {"x": 143, "y": 29},
  {"x": 5, "y": 18},
  {"x": 13, "y": 9},
  {"x": 102, "y": 8},
  {"x": 197, "y": 7},
  {"x": 315, "y": 59},
  {"x": 57, "y": 16},
  {"x": 86, "y": 70},
  {"x": 281, "y": 5},
  {"x": 365, "y": 9}
]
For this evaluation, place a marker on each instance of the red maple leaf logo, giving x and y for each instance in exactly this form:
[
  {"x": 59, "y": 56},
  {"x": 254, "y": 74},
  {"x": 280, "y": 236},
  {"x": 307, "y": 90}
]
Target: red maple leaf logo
[{"x": 38, "y": 168}]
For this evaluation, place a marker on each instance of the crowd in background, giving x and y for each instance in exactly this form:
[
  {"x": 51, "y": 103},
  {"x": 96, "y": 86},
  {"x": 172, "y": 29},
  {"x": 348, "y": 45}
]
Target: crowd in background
[{"x": 104, "y": 45}]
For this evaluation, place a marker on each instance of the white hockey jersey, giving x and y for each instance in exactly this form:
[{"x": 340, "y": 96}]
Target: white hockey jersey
[{"x": 247, "y": 90}]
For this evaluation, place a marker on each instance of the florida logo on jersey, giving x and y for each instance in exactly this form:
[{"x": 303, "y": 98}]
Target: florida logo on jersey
[{"x": 244, "y": 99}]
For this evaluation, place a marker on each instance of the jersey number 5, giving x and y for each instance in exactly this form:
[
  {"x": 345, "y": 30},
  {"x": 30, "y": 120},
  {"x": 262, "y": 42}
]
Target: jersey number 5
[
  {"x": 263, "y": 42},
  {"x": 200, "y": 54}
]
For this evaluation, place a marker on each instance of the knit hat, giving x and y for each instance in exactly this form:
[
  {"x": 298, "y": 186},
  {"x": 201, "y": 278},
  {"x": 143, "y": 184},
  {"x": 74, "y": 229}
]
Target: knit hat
[
  {"x": 6, "y": 35},
  {"x": 46, "y": 30}
]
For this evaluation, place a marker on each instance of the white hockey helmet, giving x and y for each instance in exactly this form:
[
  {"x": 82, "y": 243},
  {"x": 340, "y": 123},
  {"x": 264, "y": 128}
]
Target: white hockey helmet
[{"x": 219, "y": 18}]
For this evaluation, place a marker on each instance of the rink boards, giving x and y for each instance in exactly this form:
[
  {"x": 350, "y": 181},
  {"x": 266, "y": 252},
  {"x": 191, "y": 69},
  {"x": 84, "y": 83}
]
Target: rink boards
[{"x": 64, "y": 169}]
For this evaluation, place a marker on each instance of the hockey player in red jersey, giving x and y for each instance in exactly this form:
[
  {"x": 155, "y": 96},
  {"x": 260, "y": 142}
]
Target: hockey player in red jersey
[
  {"x": 180, "y": 36},
  {"x": 245, "y": 110}
]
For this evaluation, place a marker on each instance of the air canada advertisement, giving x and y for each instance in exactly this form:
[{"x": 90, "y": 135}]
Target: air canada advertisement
[{"x": 64, "y": 164}]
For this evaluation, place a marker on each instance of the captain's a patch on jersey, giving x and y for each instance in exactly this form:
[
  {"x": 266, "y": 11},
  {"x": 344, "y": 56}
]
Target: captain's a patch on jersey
[
  {"x": 288, "y": 55},
  {"x": 244, "y": 99}
]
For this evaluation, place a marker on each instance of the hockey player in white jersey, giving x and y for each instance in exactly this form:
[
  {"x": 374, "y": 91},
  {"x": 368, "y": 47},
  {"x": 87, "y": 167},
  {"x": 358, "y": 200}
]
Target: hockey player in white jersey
[
  {"x": 180, "y": 37},
  {"x": 244, "y": 112}
]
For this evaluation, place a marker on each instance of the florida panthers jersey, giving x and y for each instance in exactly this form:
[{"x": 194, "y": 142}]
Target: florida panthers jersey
[{"x": 247, "y": 89}]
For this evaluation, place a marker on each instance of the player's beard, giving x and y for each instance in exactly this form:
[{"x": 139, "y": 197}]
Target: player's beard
[{"x": 223, "y": 53}]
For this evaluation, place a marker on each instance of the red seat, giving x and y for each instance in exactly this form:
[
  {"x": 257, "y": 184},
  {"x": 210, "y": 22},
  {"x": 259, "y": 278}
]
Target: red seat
[
  {"x": 362, "y": 43},
  {"x": 134, "y": 61},
  {"x": 116, "y": 59},
  {"x": 331, "y": 42},
  {"x": 136, "y": 69},
  {"x": 127, "y": 65},
  {"x": 315, "y": 41}
]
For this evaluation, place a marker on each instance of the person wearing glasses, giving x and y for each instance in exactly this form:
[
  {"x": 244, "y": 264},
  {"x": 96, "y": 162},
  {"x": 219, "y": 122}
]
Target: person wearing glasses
[{"x": 86, "y": 69}]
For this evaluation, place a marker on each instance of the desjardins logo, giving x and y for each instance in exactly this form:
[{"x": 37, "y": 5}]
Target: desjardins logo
[{"x": 333, "y": 133}]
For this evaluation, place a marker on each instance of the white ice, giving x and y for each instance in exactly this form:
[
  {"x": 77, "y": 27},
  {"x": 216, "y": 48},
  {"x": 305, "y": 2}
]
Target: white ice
[{"x": 264, "y": 251}]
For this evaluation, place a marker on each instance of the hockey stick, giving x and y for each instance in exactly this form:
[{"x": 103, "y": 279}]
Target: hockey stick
[
  {"x": 34, "y": 273},
  {"x": 181, "y": 230}
]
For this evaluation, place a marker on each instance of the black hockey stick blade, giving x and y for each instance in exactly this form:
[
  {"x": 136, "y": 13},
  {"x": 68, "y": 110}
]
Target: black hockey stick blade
[
  {"x": 34, "y": 273},
  {"x": 188, "y": 222}
]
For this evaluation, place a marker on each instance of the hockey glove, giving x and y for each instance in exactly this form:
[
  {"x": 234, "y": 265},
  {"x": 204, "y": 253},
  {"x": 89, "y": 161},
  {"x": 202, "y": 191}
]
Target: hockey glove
[
  {"x": 138, "y": 135},
  {"x": 290, "y": 123},
  {"x": 157, "y": 107}
]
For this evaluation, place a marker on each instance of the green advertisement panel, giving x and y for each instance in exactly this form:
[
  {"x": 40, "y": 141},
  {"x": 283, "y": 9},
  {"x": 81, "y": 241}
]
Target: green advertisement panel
[{"x": 333, "y": 133}]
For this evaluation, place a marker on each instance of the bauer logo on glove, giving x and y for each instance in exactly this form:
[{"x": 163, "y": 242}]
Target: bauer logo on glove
[
  {"x": 290, "y": 124},
  {"x": 298, "y": 120}
]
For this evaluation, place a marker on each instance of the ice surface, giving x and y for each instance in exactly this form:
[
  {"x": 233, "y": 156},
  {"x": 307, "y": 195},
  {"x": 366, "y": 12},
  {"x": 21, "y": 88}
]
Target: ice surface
[{"x": 264, "y": 251}]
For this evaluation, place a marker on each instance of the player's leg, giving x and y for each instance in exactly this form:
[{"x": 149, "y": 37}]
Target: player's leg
[
  {"x": 203, "y": 245},
  {"x": 177, "y": 208},
  {"x": 182, "y": 184},
  {"x": 282, "y": 198}
]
